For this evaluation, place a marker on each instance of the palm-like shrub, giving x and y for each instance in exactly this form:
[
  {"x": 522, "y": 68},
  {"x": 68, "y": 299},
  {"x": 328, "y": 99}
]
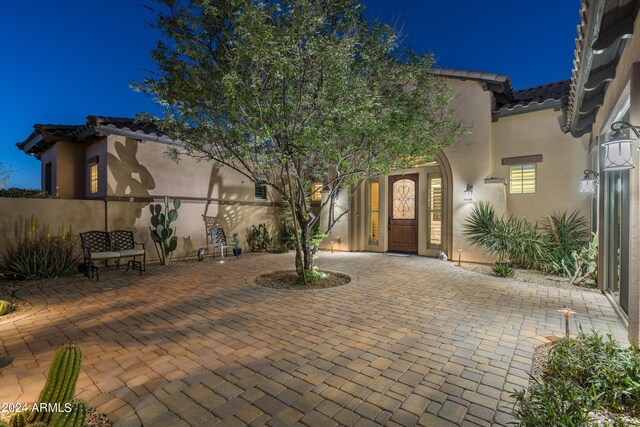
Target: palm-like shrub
[
  {"x": 512, "y": 239},
  {"x": 564, "y": 234}
]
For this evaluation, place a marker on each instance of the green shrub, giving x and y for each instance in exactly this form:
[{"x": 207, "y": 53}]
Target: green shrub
[
  {"x": 503, "y": 269},
  {"x": 586, "y": 262},
  {"x": 38, "y": 255},
  {"x": 563, "y": 235},
  {"x": 583, "y": 374},
  {"x": 24, "y": 193},
  {"x": 513, "y": 239},
  {"x": 519, "y": 241},
  {"x": 553, "y": 403},
  {"x": 258, "y": 238}
]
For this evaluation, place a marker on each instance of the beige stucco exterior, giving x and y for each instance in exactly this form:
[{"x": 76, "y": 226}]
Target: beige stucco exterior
[{"x": 477, "y": 160}]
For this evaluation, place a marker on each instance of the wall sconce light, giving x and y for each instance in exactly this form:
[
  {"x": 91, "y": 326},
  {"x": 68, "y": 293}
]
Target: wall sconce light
[
  {"x": 468, "y": 193},
  {"x": 618, "y": 150},
  {"x": 566, "y": 310},
  {"x": 589, "y": 183}
]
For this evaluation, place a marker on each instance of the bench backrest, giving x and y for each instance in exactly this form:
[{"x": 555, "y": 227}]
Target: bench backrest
[
  {"x": 121, "y": 240},
  {"x": 95, "y": 241}
]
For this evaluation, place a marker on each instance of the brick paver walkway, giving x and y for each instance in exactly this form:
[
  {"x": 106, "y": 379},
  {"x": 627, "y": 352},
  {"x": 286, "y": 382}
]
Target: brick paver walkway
[{"x": 410, "y": 341}]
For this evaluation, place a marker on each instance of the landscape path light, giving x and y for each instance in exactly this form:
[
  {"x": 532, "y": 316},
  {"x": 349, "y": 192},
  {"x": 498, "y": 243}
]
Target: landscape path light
[{"x": 566, "y": 310}]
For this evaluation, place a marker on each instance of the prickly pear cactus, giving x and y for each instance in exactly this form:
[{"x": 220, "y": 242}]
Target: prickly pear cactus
[
  {"x": 162, "y": 234},
  {"x": 61, "y": 381},
  {"x": 76, "y": 417},
  {"x": 5, "y": 307}
]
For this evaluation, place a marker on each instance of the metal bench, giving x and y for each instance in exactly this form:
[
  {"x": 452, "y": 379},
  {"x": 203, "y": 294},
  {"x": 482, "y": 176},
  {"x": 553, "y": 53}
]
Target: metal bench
[{"x": 104, "y": 246}]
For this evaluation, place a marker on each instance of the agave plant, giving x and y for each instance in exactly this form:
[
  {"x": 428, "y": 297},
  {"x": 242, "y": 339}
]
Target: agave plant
[
  {"x": 564, "y": 234},
  {"x": 513, "y": 239}
]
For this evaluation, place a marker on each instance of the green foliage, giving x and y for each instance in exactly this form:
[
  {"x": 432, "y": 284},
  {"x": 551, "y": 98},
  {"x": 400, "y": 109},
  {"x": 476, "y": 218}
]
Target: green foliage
[
  {"x": 258, "y": 238},
  {"x": 61, "y": 382},
  {"x": 563, "y": 235},
  {"x": 553, "y": 403},
  {"x": 24, "y": 193},
  {"x": 583, "y": 374},
  {"x": 586, "y": 262},
  {"x": 76, "y": 417},
  {"x": 5, "y": 307},
  {"x": 513, "y": 239},
  {"x": 287, "y": 92},
  {"x": 162, "y": 234},
  {"x": 38, "y": 255},
  {"x": 313, "y": 275},
  {"x": 519, "y": 241},
  {"x": 503, "y": 269},
  {"x": 278, "y": 247}
]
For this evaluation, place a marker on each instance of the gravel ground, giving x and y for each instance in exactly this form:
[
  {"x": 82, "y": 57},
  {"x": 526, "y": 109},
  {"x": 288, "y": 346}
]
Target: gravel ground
[
  {"x": 7, "y": 291},
  {"x": 533, "y": 276},
  {"x": 289, "y": 280}
]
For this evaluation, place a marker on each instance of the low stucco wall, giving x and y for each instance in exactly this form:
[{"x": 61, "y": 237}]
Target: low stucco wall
[
  {"x": 82, "y": 215},
  {"x": 190, "y": 226},
  {"x": 86, "y": 215}
]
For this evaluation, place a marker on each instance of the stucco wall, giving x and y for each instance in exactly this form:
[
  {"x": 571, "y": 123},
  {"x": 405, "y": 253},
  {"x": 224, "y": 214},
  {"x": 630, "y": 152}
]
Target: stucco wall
[
  {"x": 557, "y": 176},
  {"x": 142, "y": 169},
  {"x": 139, "y": 173},
  {"x": 470, "y": 161},
  {"x": 82, "y": 215}
]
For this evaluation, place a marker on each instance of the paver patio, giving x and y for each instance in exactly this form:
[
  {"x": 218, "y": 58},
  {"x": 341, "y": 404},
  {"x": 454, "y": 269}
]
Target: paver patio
[{"x": 409, "y": 341}]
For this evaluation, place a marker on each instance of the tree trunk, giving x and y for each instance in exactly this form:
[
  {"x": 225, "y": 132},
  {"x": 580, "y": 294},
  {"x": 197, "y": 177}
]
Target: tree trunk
[{"x": 299, "y": 255}]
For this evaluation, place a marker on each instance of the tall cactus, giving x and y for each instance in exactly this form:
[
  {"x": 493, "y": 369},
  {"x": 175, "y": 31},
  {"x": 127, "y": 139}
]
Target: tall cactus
[
  {"x": 76, "y": 417},
  {"x": 18, "y": 420},
  {"x": 61, "y": 381},
  {"x": 5, "y": 306},
  {"x": 162, "y": 234}
]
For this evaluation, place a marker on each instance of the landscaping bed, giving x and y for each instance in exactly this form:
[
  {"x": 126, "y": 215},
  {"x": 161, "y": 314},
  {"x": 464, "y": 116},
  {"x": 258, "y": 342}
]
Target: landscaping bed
[
  {"x": 533, "y": 276},
  {"x": 583, "y": 381},
  {"x": 289, "y": 279}
]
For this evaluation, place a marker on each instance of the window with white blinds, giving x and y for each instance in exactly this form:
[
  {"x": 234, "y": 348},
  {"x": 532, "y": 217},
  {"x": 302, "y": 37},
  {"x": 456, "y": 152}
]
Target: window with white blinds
[{"x": 522, "y": 179}]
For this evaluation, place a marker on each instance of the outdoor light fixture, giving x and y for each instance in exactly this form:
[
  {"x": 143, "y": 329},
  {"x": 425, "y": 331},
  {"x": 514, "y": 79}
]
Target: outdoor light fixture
[
  {"x": 589, "y": 183},
  {"x": 459, "y": 256},
  {"x": 468, "y": 193},
  {"x": 566, "y": 310},
  {"x": 618, "y": 150}
]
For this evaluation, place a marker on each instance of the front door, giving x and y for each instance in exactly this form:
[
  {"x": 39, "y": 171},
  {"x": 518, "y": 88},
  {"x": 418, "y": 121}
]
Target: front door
[{"x": 403, "y": 213}]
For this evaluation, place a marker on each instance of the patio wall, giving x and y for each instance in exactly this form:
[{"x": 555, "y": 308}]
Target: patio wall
[{"x": 85, "y": 215}]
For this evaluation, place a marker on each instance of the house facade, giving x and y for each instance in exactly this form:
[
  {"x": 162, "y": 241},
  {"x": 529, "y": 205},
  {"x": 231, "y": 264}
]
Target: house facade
[{"x": 525, "y": 154}]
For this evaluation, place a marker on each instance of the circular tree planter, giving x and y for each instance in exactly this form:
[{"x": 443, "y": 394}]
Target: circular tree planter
[{"x": 288, "y": 279}]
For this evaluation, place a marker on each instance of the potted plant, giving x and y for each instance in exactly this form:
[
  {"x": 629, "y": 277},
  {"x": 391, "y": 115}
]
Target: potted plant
[{"x": 237, "y": 250}]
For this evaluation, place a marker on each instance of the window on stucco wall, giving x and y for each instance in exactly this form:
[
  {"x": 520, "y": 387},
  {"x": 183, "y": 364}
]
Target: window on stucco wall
[
  {"x": 522, "y": 179},
  {"x": 93, "y": 178}
]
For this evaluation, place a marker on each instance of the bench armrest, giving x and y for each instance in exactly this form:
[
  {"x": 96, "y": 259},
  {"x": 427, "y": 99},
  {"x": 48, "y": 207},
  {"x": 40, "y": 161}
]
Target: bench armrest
[{"x": 141, "y": 244}]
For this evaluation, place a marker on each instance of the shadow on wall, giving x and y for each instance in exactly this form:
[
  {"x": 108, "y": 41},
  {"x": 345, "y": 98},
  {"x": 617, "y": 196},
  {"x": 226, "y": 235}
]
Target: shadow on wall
[
  {"x": 131, "y": 179},
  {"x": 225, "y": 216}
]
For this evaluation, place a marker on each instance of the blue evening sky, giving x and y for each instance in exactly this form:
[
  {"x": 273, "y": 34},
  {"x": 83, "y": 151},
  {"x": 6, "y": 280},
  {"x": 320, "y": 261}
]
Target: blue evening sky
[{"x": 61, "y": 61}]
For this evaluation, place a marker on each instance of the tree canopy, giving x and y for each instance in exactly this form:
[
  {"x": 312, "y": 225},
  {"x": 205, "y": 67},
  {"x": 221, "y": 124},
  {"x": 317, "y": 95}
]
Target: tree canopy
[{"x": 293, "y": 91}]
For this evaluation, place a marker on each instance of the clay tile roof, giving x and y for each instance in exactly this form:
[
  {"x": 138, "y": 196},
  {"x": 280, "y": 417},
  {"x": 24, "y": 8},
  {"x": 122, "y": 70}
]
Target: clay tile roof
[
  {"x": 146, "y": 127},
  {"x": 539, "y": 94}
]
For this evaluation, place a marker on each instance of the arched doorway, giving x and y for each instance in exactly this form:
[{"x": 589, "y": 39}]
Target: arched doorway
[{"x": 447, "y": 202}]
